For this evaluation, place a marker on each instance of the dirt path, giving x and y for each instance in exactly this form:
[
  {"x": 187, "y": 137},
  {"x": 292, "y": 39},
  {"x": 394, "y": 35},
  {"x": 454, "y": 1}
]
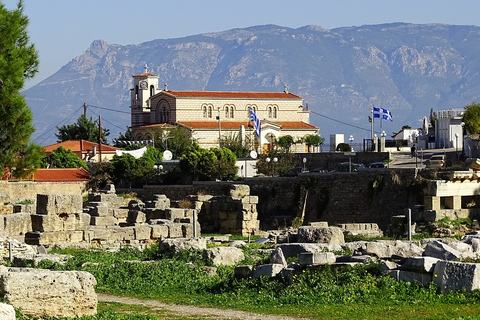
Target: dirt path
[{"x": 211, "y": 313}]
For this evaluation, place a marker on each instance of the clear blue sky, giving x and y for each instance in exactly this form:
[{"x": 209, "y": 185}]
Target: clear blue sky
[{"x": 64, "y": 29}]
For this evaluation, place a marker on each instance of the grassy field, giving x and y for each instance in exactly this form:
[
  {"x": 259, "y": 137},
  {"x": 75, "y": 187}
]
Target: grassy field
[{"x": 326, "y": 293}]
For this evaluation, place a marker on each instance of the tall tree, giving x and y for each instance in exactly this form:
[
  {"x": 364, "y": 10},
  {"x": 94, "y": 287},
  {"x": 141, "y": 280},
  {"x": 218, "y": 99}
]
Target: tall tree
[
  {"x": 62, "y": 158},
  {"x": 84, "y": 129},
  {"x": 471, "y": 118},
  {"x": 18, "y": 62}
]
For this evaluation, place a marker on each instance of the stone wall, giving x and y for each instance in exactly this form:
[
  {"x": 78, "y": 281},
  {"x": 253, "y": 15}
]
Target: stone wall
[
  {"x": 369, "y": 196},
  {"x": 21, "y": 190}
]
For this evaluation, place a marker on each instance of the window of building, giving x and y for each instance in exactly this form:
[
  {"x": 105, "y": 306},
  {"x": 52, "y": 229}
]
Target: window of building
[
  {"x": 269, "y": 112},
  {"x": 152, "y": 90},
  {"x": 227, "y": 113},
  {"x": 205, "y": 111},
  {"x": 274, "y": 112},
  {"x": 209, "y": 111},
  {"x": 231, "y": 112}
]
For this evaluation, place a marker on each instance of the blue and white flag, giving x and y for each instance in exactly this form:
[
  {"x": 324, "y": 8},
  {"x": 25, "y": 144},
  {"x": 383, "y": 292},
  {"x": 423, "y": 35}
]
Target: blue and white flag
[
  {"x": 255, "y": 122},
  {"x": 382, "y": 114}
]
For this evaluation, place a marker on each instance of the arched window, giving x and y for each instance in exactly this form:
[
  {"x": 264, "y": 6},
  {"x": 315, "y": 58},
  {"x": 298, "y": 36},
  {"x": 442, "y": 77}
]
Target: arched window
[
  {"x": 231, "y": 112},
  {"x": 274, "y": 112},
  {"x": 209, "y": 111},
  {"x": 136, "y": 89},
  {"x": 204, "y": 111},
  {"x": 162, "y": 112},
  {"x": 152, "y": 90},
  {"x": 227, "y": 114},
  {"x": 269, "y": 112},
  {"x": 253, "y": 107}
]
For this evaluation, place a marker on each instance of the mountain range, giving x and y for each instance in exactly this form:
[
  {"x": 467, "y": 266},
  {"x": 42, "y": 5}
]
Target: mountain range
[{"x": 342, "y": 73}]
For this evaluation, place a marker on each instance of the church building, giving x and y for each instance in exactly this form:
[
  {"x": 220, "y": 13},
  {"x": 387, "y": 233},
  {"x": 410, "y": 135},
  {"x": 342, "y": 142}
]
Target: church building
[{"x": 213, "y": 116}]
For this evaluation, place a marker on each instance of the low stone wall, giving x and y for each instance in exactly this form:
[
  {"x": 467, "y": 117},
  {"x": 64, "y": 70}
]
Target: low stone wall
[{"x": 21, "y": 190}]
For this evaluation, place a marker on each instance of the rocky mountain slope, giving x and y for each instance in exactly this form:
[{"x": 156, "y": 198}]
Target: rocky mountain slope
[{"x": 341, "y": 73}]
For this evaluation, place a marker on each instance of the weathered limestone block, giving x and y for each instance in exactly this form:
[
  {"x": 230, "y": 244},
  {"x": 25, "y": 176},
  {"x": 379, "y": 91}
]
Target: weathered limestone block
[
  {"x": 310, "y": 234},
  {"x": 122, "y": 233},
  {"x": 228, "y": 256},
  {"x": 277, "y": 257},
  {"x": 452, "y": 275},
  {"x": 24, "y": 208},
  {"x": 99, "y": 209},
  {"x": 441, "y": 251},
  {"x": 78, "y": 221},
  {"x": 243, "y": 272},
  {"x": 120, "y": 214},
  {"x": 188, "y": 232},
  {"x": 419, "y": 264},
  {"x": 17, "y": 247},
  {"x": 409, "y": 276},
  {"x": 292, "y": 250},
  {"x": 174, "y": 213},
  {"x": 239, "y": 190},
  {"x": 136, "y": 205},
  {"x": 267, "y": 270},
  {"x": 17, "y": 224},
  {"x": 142, "y": 232},
  {"x": 175, "y": 230},
  {"x": 135, "y": 216},
  {"x": 160, "y": 201},
  {"x": 52, "y": 237},
  {"x": 159, "y": 231},
  {"x": 317, "y": 258},
  {"x": 103, "y": 221},
  {"x": 6, "y": 209},
  {"x": 153, "y": 214},
  {"x": 43, "y": 293},
  {"x": 45, "y": 223},
  {"x": 98, "y": 233},
  {"x": 7, "y": 312},
  {"x": 387, "y": 265},
  {"x": 174, "y": 245},
  {"x": 59, "y": 203},
  {"x": 387, "y": 249}
]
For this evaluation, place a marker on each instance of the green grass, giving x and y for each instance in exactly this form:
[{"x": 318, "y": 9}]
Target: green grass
[{"x": 326, "y": 293}]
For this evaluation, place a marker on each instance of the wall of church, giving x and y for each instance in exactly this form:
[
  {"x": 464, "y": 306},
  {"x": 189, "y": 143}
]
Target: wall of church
[{"x": 191, "y": 109}]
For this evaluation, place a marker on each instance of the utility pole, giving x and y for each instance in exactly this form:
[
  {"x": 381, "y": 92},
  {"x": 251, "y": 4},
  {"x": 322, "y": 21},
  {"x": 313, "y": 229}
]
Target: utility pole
[
  {"x": 85, "y": 110},
  {"x": 100, "y": 138}
]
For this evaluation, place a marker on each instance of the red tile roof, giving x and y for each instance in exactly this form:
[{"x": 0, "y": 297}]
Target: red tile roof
[
  {"x": 237, "y": 124},
  {"x": 232, "y": 94},
  {"x": 145, "y": 75},
  {"x": 79, "y": 146},
  {"x": 61, "y": 175}
]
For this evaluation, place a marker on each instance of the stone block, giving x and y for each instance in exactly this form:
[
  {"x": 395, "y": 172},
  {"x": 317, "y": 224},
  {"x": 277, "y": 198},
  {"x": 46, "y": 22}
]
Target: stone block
[
  {"x": 174, "y": 213},
  {"x": 135, "y": 216},
  {"x": 17, "y": 224},
  {"x": 98, "y": 233},
  {"x": 441, "y": 251},
  {"x": 267, "y": 270},
  {"x": 45, "y": 223},
  {"x": 228, "y": 256},
  {"x": 52, "y": 237},
  {"x": 59, "y": 203},
  {"x": 99, "y": 209},
  {"x": 317, "y": 258},
  {"x": 44, "y": 293},
  {"x": 78, "y": 221},
  {"x": 103, "y": 221},
  {"x": 277, "y": 257},
  {"x": 239, "y": 190},
  {"x": 175, "y": 230},
  {"x": 452, "y": 275},
  {"x": 142, "y": 232},
  {"x": 153, "y": 214},
  {"x": 320, "y": 235},
  {"x": 174, "y": 245},
  {"x": 243, "y": 272},
  {"x": 7, "y": 312},
  {"x": 159, "y": 231},
  {"x": 120, "y": 213},
  {"x": 419, "y": 264},
  {"x": 122, "y": 234},
  {"x": 409, "y": 276}
]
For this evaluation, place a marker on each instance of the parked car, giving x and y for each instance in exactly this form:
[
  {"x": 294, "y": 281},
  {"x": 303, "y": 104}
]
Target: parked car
[
  {"x": 319, "y": 170},
  {"x": 377, "y": 165},
  {"x": 345, "y": 167},
  {"x": 436, "y": 161},
  {"x": 293, "y": 172}
]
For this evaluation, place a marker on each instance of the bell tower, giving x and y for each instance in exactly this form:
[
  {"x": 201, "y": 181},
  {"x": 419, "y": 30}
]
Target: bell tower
[{"x": 145, "y": 85}]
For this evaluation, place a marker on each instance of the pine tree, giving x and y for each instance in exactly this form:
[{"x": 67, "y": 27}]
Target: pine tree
[{"x": 18, "y": 62}]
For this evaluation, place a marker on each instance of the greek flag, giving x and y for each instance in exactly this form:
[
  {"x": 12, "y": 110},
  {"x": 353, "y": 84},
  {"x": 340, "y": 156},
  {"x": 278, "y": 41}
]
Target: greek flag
[
  {"x": 382, "y": 113},
  {"x": 255, "y": 122}
]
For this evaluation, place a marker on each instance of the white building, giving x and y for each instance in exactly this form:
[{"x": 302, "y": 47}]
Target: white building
[{"x": 449, "y": 129}]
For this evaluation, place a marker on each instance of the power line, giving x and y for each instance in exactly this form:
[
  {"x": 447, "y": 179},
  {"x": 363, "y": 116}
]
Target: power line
[
  {"x": 345, "y": 123},
  {"x": 61, "y": 122},
  {"x": 113, "y": 124},
  {"x": 119, "y": 111}
]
